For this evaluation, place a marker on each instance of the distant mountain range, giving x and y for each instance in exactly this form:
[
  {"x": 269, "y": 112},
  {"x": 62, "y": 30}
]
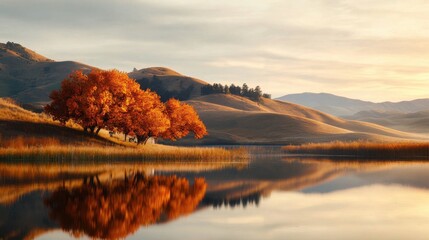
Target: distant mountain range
[
  {"x": 342, "y": 106},
  {"x": 29, "y": 78}
]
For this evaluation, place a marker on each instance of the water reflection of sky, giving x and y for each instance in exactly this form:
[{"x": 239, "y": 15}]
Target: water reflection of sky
[
  {"x": 366, "y": 212},
  {"x": 390, "y": 203},
  {"x": 301, "y": 199}
]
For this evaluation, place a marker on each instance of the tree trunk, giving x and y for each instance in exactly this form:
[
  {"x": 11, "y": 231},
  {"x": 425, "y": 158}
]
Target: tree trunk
[
  {"x": 145, "y": 141},
  {"x": 98, "y": 130},
  {"x": 125, "y": 138},
  {"x": 141, "y": 139}
]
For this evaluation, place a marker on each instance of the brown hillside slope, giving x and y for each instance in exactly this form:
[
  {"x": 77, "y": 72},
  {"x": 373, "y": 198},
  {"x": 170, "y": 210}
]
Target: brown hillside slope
[
  {"x": 169, "y": 80},
  {"x": 29, "y": 77},
  {"x": 356, "y": 126},
  {"x": 19, "y": 126},
  {"x": 234, "y": 119},
  {"x": 417, "y": 122},
  {"x": 18, "y": 51}
]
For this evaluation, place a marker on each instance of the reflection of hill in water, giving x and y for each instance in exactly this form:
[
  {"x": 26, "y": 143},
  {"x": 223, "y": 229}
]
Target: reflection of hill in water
[
  {"x": 20, "y": 179},
  {"x": 25, "y": 218},
  {"x": 233, "y": 187},
  {"x": 24, "y": 214},
  {"x": 22, "y": 187}
]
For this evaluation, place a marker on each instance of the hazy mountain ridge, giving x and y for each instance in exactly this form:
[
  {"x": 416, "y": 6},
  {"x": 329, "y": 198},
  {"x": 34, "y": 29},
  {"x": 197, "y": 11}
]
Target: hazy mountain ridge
[
  {"x": 417, "y": 122},
  {"x": 342, "y": 106}
]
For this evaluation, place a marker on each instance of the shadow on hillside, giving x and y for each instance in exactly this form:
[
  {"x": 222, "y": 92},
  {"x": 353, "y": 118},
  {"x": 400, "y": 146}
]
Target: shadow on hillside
[{"x": 10, "y": 130}]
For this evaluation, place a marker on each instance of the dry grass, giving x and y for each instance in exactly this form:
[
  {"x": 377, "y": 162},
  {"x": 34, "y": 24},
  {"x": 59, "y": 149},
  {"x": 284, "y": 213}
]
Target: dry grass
[
  {"x": 393, "y": 150},
  {"x": 12, "y": 111},
  {"x": 31, "y": 137},
  {"x": 117, "y": 153},
  {"x": 22, "y": 142},
  {"x": 235, "y": 120}
]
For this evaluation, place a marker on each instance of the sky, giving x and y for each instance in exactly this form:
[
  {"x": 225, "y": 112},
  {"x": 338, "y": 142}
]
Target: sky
[{"x": 371, "y": 50}]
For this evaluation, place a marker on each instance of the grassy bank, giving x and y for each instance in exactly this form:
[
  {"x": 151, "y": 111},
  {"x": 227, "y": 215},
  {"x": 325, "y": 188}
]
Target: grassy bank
[
  {"x": 31, "y": 137},
  {"x": 120, "y": 153},
  {"x": 394, "y": 150}
]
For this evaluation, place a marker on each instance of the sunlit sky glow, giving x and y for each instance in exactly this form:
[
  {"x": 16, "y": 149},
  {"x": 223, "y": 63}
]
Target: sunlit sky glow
[{"x": 372, "y": 50}]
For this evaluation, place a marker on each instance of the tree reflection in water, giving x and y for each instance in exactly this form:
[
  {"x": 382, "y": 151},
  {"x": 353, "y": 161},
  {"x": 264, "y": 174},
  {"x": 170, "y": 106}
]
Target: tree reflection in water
[{"x": 117, "y": 208}]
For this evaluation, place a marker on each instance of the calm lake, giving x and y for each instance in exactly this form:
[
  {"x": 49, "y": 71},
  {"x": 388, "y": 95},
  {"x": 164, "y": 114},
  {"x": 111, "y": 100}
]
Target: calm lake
[{"x": 271, "y": 197}]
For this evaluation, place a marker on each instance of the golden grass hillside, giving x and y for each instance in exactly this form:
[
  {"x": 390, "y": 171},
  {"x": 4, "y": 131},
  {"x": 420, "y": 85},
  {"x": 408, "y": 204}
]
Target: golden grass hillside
[
  {"x": 17, "y": 50},
  {"x": 237, "y": 120},
  {"x": 28, "y": 136},
  {"x": 170, "y": 80},
  {"x": 417, "y": 122},
  {"x": 20, "y": 127}
]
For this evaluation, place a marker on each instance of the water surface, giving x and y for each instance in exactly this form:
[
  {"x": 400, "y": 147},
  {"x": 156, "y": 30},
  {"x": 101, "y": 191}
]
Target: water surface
[{"x": 272, "y": 197}]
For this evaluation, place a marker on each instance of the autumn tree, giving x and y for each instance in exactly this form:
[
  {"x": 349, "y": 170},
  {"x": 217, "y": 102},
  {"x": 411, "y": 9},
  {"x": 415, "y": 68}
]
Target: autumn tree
[
  {"x": 183, "y": 120},
  {"x": 112, "y": 100},
  {"x": 66, "y": 100},
  {"x": 92, "y": 100},
  {"x": 145, "y": 116}
]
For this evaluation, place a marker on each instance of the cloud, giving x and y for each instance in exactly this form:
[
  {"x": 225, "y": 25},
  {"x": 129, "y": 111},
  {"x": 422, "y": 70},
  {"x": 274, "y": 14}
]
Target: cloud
[{"x": 361, "y": 48}]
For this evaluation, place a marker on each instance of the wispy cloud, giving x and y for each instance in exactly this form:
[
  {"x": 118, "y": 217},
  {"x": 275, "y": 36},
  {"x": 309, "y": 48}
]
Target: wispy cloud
[{"x": 364, "y": 49}]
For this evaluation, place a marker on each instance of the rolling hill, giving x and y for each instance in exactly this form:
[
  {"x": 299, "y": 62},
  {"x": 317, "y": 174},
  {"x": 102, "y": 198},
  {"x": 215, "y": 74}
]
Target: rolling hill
[
  {"x": 417, "y": 122},
  {"x": 342, "y": 106},
  {"x": 168, "y": 83},
  {"x": 20, "y": 125},
  {"x": 29, "y": 77},
  {"x": 236, "y": 120}
]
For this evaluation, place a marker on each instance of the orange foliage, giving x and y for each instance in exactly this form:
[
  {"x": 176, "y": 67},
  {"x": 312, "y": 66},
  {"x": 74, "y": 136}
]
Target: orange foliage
[
  {"x": 145, "y": 117},
  {"x": 92, "y": 100},
  {"x": 112, "y": 100},
  {"x": 120, "y": 208},
  {"x": 184, "y": 119}
]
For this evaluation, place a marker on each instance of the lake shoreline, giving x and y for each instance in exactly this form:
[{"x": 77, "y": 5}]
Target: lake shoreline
[
  {"x": 151, "y": 152},
  {"x": 362, "y": 149}
]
